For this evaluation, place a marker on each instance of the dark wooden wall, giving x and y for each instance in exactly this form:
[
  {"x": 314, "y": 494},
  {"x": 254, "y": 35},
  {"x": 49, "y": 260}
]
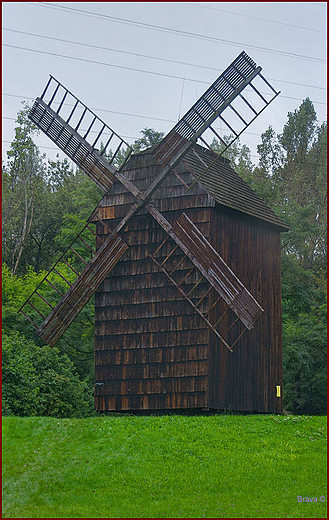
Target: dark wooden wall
[
  {"x": 151, "y": 350},
  {"x": 246, "y": 379}
]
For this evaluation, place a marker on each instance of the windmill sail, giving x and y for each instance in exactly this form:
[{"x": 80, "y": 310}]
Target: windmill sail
[
  {"x": 77, "y": 130},
  {"x": 63, "y": 126},
  {"x": 82, "y": 276},
  {"x": 81, "y": 291},
  {"x": 219, "y": 97}
]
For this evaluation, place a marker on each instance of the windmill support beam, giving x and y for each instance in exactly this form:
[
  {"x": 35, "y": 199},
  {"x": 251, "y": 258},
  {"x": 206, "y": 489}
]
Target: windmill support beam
[
  {"x": 81, "y": 291},
  {"x": 186, "y": 296},
  {"x": 212, "y": 267},
  {"x": 199, "y": 250}
]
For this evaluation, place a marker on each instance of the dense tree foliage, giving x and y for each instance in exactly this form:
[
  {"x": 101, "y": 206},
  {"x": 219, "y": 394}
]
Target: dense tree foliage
[
  {"x": 149, "y": 138},
  {"x": 41, "y": 381},
  {"x": 291, "y": 178},
  {"x": 46, "y": 203}
]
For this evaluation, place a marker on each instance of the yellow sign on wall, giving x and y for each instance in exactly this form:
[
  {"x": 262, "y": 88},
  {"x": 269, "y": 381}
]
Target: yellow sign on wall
[{"x": 278, "y": 390}]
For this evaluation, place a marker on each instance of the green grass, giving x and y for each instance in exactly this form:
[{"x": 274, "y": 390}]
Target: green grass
[{"x": 220, "y": 466}]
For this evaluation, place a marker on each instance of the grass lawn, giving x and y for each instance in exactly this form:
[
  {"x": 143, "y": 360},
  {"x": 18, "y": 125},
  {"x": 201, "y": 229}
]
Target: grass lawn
[{"x": 177, "y": 466}]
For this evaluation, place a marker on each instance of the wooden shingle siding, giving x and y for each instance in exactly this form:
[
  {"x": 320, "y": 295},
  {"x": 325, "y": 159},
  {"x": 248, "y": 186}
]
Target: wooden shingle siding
[
  {"x": 164, "y": 401},
  {"x": 247, "y": 380},
  {"x": 152, "y": 350},
  {"x": 165, "y": 339},
  {"x": 152, "y": 354}
]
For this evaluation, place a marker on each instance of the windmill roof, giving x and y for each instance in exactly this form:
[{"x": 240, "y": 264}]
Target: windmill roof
[{"x": 225, "y": 186}]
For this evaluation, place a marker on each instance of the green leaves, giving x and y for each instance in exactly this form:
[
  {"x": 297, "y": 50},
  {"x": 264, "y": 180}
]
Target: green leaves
[
  {"x": 291, "y": 179},
  {"x": 304, "y": 361},
  {"x": 150, "y": 138},
  {"x": 299, "y": 131},
  {"x": 41, "y": 381}
]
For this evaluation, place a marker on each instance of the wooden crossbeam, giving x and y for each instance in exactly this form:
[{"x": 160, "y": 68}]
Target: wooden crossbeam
[
  {"x": 191, "y": 303},
  {"x": 213, "y": 305},
  {"x": 78, "y": 255},
  {"x": 44, "y": 299},
  {"x": 195, "y": 286},
  {"x": 231, "y": 326},
  {"x": 204, "y": 315},
  {"x": 30, "y": 320},
  {"x": 188, "y": 274},
  {"x": 203, "y": 297},
  {"x": 34, "y": 307},
  {"x": 161, "y": 245},
  {"x": 170, "y": 254},
  {"x": 70, "y": 266},
  {"x": 204, "y": 257},
  {"x": 178, "y": 265},
  {"x": 53, "y": 286},
  {"x": 222, "y": 316},
  {"x": 57, "y": 272},
  {"x": 239, "y": 337},
  {"x": 87, "y": 245}
]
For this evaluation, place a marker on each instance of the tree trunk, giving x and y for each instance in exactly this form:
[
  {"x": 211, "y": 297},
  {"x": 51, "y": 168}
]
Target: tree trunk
[{"x": 25, "y": 231}]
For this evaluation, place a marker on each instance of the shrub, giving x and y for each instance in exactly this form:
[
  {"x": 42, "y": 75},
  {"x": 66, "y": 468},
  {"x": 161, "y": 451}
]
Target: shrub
[
  {"x": 41, "y": 381},
  {"x": 304, "y": 362}
]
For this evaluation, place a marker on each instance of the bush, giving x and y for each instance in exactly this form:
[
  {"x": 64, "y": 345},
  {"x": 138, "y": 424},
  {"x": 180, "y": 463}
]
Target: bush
[
  {"x": 78, "y": 341},
  {"x": 41, "y": 381},
  {"x": 304, "y": 362}
]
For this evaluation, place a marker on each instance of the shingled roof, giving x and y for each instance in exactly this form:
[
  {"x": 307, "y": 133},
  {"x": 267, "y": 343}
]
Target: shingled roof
[{"x": 225, "y": 186}]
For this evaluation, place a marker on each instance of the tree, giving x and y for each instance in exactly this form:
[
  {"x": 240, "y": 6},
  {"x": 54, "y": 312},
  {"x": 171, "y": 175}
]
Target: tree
[
  {"x": 270, "y": 152},
  {"x": 299, "y": 131},
  {"x": 78, "y": 342},
  {"x": 150, "y": 138},
  {"x": 39, "y": 200},
  {"x": 232, "y": 153},
  {"x": 23, "y": 189},
  {"x": 296, "y": 164},
  {"x": 304, "y": 362}
]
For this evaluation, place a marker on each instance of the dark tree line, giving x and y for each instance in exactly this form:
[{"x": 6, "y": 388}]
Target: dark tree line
[{"x": 46, "y": 203}]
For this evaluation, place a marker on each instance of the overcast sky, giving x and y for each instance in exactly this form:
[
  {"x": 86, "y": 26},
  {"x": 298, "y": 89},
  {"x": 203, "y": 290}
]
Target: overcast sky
[{"x": 157, "y": 58}]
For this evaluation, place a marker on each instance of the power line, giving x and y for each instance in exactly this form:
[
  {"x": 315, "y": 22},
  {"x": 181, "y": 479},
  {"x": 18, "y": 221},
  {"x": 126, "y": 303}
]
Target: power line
[
  {"x": 251, "y": 155},
  {"x": 104, "y": 110},
  {"x": 127, "y": 68},
  {"x": 82, "y": 130},
  {"x": 175, "y": 31},
  {"x": 104, "y": 63},
  {"x": 120, "y": 113},
  {"x": 255, "y": 17},
  {"x": 146, "y": 56},
  {"x": 46, "y": 147}
]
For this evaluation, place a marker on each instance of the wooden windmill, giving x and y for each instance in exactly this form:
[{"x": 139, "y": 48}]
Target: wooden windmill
[{"x": 182, "y": 255}]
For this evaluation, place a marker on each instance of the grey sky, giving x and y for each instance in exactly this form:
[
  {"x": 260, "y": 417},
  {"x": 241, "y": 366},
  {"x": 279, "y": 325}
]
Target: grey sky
[{"x": 287, "y": 39}]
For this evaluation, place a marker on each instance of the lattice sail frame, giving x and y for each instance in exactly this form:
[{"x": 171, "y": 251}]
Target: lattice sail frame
[
  {"x": 213, "y": 274},
  {"x": 63, "y": 126}
]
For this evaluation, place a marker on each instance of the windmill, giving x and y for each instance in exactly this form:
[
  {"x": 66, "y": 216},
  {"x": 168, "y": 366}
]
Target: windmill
[{"x": 226, "y": 100}]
